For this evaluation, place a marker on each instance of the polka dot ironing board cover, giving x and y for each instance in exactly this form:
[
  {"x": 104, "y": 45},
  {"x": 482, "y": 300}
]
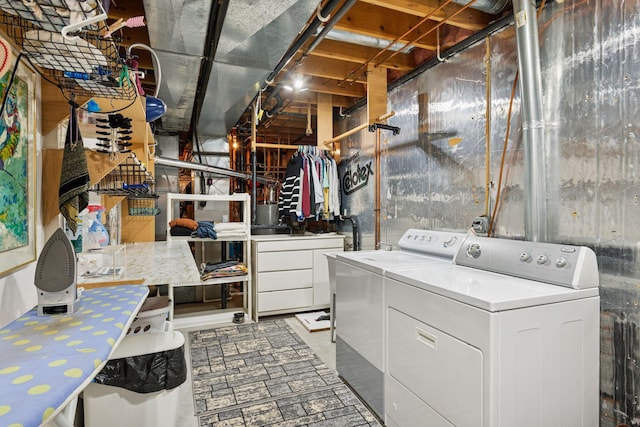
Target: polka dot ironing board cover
[{"x": 46, "y": 359}]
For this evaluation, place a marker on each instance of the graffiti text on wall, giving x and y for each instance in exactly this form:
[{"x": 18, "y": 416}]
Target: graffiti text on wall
[{"x": 356, "y": 176}]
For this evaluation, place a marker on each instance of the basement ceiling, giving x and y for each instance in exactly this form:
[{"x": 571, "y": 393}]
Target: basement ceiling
[{"x": 216, "y": 56}]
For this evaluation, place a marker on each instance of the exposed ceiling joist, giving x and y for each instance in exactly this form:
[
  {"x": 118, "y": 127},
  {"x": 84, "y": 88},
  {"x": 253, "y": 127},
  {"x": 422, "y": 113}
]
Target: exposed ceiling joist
[
  {"x": 470, "y": 19},
  {"x": 255, "y": 35},
  {"x": 350, "y": 52}
]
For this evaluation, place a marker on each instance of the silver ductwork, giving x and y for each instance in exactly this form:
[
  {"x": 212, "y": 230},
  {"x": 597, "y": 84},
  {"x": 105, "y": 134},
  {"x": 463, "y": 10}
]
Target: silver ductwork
[
  {"x": 535, "y": 176},
  {"x": 364, "y": 40},
  {"x": 488, "y": 6},
  {"x": 177, "y": 33},
  {"x": 254, "y": 36},
  {"x": 163, "y": 161}
]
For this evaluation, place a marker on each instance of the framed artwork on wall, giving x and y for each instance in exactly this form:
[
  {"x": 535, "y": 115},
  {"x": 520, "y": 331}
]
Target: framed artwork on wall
[{"x": 17, "y": 168}]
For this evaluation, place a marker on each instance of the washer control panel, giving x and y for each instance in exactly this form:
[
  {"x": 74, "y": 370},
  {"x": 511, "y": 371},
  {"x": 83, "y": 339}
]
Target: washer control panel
[
  {"x": 430, "y": 242},
  {"x": 565, "y": 265}
]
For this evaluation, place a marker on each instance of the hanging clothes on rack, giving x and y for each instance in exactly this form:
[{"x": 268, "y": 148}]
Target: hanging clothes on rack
[
  {"x": 311, "y": 188},
  {"x": 289, "y": 199}
]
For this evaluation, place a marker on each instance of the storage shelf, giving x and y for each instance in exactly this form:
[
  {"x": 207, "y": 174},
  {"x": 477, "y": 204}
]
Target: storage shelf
[
  {"x": 243, "y": 198},
  {"x": 130, "y": 179},
  {"x": 83, "y": 64},
  {"x": 208, "y": 239},
  {"x": 215, "y": 281}
]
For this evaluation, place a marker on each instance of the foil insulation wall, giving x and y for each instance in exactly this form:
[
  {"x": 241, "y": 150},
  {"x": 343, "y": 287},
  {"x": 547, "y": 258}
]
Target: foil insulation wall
[{"x": 434, "y": 176}]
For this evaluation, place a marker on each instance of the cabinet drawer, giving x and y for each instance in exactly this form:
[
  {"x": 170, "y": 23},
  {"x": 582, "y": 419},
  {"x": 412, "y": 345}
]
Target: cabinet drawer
[
  {"x": 284, "y": 280},
  {"x": 300, "y": 244},
  {"x": 282, "y": 300},
  {"x": 286, "y": 260}
]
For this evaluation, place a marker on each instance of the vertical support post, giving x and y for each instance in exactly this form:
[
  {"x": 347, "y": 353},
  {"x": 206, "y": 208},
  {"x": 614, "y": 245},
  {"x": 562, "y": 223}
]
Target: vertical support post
[
  {"x": 376, "y": 92},
  {"x": 376, "y": 107},
  {"x": 325, "y": 120}
]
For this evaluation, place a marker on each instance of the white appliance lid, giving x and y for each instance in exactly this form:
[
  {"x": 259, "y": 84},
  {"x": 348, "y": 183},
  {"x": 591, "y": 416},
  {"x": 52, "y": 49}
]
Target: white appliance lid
[
  {"x": 380, "y": 261},
  {"x": 416, "y": 247},
  {"x": 484, "y": 289}
]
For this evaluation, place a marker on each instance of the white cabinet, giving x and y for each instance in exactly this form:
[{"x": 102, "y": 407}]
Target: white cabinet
[
  {"x": 290, "y": 273},
  {"x": 241, "y": 233}
]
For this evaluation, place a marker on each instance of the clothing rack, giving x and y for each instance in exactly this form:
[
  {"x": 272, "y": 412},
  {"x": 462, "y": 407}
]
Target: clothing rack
[
  {"x": 329, "y": 143},
  {"x": 311, "y": 186}
]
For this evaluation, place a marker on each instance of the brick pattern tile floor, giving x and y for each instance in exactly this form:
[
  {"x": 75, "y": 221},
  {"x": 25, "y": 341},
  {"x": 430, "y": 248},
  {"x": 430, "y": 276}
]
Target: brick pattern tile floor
[{"x": 263, "y": 374}]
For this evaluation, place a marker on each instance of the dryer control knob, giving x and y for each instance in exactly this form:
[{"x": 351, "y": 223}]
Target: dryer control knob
[
  {"x": 542, "y": 259},
  {"x": 473, "y": 250},
  {"x": 525, "y": 256},
  {"x": 561, "y": 262},
  {"x": 450, "y": 241}
]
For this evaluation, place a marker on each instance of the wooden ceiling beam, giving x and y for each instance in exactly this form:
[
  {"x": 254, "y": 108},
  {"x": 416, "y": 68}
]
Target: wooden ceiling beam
[
  {"x": 379, "y": 22},
  {"x": 286, "y": 135},
  {"x": 329, "y": 68},
  {"x": 284, "y": 121},
  {"x": 353, "y": 90},
  {"x": 361, "y": 54},
  {"x": 335, "y": 87},
  {"x": 300, "y": 100},
  {"x": 470, "y": 19}
]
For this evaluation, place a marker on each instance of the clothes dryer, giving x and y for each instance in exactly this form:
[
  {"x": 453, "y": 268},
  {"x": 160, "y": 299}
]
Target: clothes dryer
[
  {"x": 507, "y": 336},
  {"x": 360, "y": 313}
]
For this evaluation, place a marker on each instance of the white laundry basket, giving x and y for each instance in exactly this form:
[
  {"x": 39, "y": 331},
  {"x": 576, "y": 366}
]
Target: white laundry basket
[{"x": 108, "y": 406}]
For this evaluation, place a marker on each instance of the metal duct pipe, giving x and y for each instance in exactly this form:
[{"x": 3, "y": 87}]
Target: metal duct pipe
[
  {"x": 488, "y": 6},
  {"x": 535, "y": 207},
  {"x": 334, "y": 20},
  {"x": 427, "y": 65},
  {"x": 323, "y": 33},
  {"x": 211, "y": 169},
  {"x": 306, "y": 34}
]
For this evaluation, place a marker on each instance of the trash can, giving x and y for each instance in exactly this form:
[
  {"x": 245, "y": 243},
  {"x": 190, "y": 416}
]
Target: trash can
[
  {"x": 140, "y": 384},
  {"x": 152, "y": 317}
]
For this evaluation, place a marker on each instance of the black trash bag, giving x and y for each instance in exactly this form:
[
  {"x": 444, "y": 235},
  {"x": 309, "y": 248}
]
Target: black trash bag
[{"x": 146, "y": 373}]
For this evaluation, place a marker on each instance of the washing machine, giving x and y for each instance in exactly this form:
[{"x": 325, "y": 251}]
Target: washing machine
[
  {"x": 360, "y": 312},
  {"x": 507, "y": 335}
]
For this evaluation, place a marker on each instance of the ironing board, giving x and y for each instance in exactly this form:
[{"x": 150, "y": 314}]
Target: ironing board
[{"x": 46, "y": 361}]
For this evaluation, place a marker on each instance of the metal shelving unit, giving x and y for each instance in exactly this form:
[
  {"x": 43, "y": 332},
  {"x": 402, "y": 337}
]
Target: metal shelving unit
[{"x": 62, "y": 38}]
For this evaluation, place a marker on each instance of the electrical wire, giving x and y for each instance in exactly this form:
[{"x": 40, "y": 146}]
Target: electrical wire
[
  {"x": 487, "y": 129},
  {"x": 504, "y": 153}
]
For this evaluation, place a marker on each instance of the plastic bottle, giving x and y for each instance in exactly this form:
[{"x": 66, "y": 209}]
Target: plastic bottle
[{"x": 96, "y": 234}]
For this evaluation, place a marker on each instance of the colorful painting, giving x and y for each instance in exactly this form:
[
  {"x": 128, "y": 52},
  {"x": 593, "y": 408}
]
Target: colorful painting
[
  {"x": 14, "y": 166},
  {"x": 17, "y": 170}
]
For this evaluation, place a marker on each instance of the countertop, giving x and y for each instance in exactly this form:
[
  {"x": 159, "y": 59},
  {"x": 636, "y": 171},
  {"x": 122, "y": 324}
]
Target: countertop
[{"x": 151, "y": 263}]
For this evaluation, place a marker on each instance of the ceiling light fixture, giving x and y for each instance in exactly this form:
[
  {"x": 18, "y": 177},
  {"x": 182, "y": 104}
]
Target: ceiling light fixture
[{"x": 298, "y": 85}]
